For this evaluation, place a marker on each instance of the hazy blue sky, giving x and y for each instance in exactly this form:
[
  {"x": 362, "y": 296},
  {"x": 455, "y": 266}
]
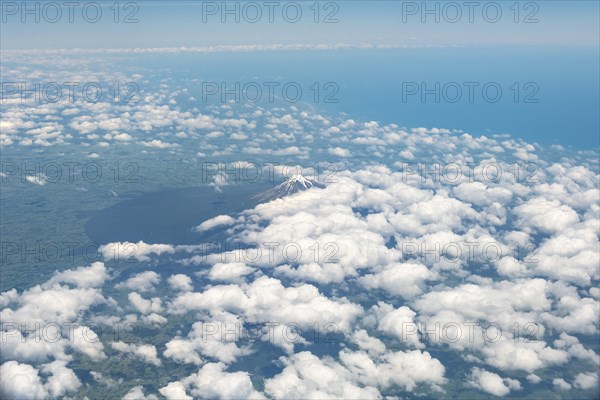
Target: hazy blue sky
[{"x": 197, "y": 23}]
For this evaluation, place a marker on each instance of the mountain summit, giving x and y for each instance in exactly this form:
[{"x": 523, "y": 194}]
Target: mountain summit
[{"x": 295, "y": 184}]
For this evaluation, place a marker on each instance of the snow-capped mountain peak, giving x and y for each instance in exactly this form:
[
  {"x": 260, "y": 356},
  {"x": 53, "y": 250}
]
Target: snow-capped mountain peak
[
  {"x": 300, "y": 180},
  {"x": 295, "y": 184}
]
